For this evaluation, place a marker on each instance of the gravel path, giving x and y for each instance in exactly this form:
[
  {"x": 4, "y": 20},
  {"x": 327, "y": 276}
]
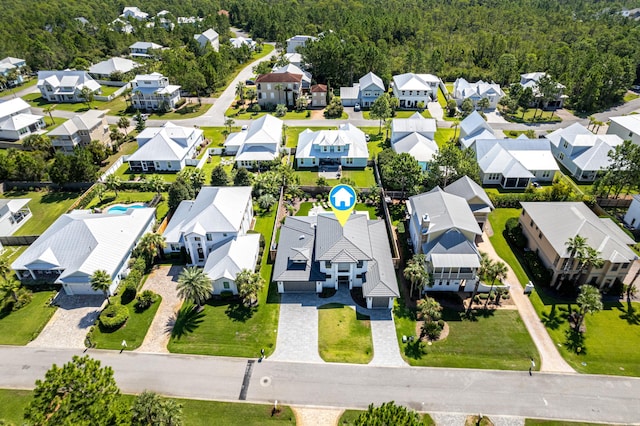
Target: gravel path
[
  {"x": 69, "y": 325},
  {"x": 162, "y": 281}
]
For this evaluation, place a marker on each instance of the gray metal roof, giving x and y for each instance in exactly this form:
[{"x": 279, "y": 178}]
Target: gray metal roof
[
  {"x": 381, "y": 276},
  {"x": 336, "y": 242},
  {"x": 452, "y": 249},
  {"x": 297, "y": 236},
  {"x": 472, "y": 124},
  {"x": 445, "y": 211},
  {"x": 559, "y": 221},
  {"x": 468, "y": 189}
]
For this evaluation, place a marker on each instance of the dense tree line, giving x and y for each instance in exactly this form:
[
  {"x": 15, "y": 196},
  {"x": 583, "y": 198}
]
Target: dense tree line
[{"x": 585, "y": 45}]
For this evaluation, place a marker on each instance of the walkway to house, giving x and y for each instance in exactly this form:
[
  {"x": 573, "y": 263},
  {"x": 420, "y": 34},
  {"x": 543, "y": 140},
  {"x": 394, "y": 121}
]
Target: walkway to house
[
  {"x": 298, "y": 329},
  {"x": 69, "y": 325},
  {"x": 551, "y": 360},
  {"x": 162, "y": 281}
]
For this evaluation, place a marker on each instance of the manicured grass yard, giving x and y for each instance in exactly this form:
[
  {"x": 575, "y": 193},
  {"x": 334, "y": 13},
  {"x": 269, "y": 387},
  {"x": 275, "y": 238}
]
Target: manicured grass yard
[
  {"x": 306, "y": 206},
  {"x": 215, "y": 135},
  {"x": 215, "y": 160},
  {"x": 612, "y": 335},
  {"x": 497, "y": 340},
  {"x": 444, "y": 135},
  {"x": 227, "y": 328},
  {"x": 399, "y": 114},
  {"x": 36, "y": 100},
  {"x": 24, "y": 325},
  {"x": 181, "y": 113},
  {"x": 344, "y": 335},
  {"x": 363, "y": 178},
  {"x": 194, "y": 412},
  {"x": 134, "y": 330},
  {"x": 108, "y": 90},
  {"x": 45, "y": 207},
  {"x": 125, "y": 173},
  {"x": 129, "y": 197},
  {"x": 292, "y": 133}
]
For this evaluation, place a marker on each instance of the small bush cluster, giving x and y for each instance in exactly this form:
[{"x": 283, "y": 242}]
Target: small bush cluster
[
  {"x": 513, "y": 232},
  {"x": 145, "y": 300},
  {"x": 113, "y": 317}
]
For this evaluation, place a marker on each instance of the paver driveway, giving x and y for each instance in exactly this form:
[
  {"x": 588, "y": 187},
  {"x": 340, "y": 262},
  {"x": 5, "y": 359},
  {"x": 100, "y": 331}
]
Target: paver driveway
[
  {"x": 69, "y": 325},
  {"x": 298, "y": 330}
]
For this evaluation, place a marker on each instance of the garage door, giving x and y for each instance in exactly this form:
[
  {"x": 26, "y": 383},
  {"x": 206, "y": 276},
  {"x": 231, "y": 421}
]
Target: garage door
[
  {"x": 80, "y": 290},
  {"x": 299, "y": 287},
  {"x": 380, "y": 302}
]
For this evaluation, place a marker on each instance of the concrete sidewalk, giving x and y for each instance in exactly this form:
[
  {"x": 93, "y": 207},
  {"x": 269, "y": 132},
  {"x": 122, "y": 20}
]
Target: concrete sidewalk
[{"x": 551, "y": 360}]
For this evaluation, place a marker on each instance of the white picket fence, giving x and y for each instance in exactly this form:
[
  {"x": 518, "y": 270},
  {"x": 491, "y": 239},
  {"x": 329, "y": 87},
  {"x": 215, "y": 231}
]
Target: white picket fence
[{"x": 114, "y": 167}]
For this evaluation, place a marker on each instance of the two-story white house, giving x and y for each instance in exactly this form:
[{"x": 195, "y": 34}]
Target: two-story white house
[
  {"x": 462, "y": 90},
  {"x": 153, "y": 92},
  {"x": 531, "y": 80},
  {"x": 365, "y": 92},
  {"x": 443, "y": 228},
  {"x": 165, "y": 148},
  {"x": 12, "y": 66},
  {"x": 142, "y": 49},
  {"x": 415, "y": 89},
  {"x": 298, "y": 41},
  {"x": 632, "y": 217},
  {"x": 17, "y": 121},
  {"x": 134, "y": 12},
  {"x": 14, "y": 212},
  {"x": 584, "y": 154},
  {"x": 346, "y": 146},
  {"x": 316, "y": 252},
  {"x": 259, "y": 143},
  {"x": 66, "y": 86},
  {"x": 210, "y": 38},
  {"x": 415, "y": 136},
  {"x": 627, "y": 127},
  {"x": 79, "y": 243},
  {"x": 81, "y": 130},
  {"x": 216, "y": 216}
]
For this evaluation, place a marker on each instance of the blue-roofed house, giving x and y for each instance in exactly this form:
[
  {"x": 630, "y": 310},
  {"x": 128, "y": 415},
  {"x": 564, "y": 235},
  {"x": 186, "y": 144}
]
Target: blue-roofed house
[{"x": 365, "y": 92}]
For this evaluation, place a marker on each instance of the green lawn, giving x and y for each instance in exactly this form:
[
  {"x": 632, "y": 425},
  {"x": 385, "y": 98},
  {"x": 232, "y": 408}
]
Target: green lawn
[
  {"x": 292, "y": 133},
  {"x": 126, "y": 174},
  {"x": 181, "y": 114},
  {"x": 266, "y": 50},
  {"x": 377, "y": 140},
  {"x": 497, "y": 340},
  {"x": 108, "y": 90},
  {"x": 129, "y": 197},
  {"x": 133, "y": 331},
  {"x": 11, "y": 253},
  {"x": 629, "y": 96},
  {"x": 24, "y": 325},
  {"x": 36, "y": 100},
  {"x": 215, "y": 160},
  {"x": 612, "y": 335},
  {"x": 306, "y": 206},
  {"x": 349, "y": 418},
  {"x": 344, "y": 335},
  {"x": 442, "y": 100},
  {"x": 25, "y": 85},
  {"x": 399, "y": 114},
  {"x": 126, "y": 148},
  {"x": 545, "y": 117},
  {"x": 363, "y": 178},
  {"x": 194, "y": 412},
  {"x": 215, "y": 135},
  {"x": 45, "y": 207},
  {"x": 56, "y": 122},
  {"x": 235, "y": 113},
  {"x": 444, "y": 135},
  {"x": 228, "y": 328}
]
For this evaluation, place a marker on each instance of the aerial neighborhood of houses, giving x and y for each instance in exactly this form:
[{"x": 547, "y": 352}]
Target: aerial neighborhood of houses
[{"x": 230, "y": 188}]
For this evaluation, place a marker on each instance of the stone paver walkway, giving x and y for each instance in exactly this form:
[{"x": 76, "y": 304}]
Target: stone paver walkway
[
  {"x": 307, "y": 416},
  {"x": 451, "y": 419},
  {"x": 69, "y": 325},
  {"x": 298, "y": 330},
  {"x": 551, "y": 360},
  {"x": 162, "y": 281}
]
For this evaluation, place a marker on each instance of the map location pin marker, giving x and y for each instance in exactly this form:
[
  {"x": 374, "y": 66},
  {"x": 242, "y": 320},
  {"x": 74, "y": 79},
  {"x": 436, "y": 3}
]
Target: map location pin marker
[{"x": 342, "y": 200}]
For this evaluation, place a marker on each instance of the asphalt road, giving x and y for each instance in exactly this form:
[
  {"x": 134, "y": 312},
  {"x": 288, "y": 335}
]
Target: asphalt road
[{"x": 542, "y": 395}]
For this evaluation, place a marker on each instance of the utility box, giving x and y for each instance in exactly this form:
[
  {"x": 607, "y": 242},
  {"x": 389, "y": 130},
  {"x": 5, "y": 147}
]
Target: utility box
[{"x": 528, "y": 288}]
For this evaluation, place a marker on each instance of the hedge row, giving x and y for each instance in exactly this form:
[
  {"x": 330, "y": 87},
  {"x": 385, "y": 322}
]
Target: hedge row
[{"x": 513, "y": 200}]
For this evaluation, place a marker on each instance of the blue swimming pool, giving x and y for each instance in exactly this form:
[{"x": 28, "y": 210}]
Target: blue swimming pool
[{"x": 121, "y": 209}]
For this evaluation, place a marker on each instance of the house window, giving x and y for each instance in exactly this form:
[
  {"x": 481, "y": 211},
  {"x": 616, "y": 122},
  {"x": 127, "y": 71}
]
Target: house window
[
  {"x": 566, "y": 144},
  {"x": 624, "y": 266},
  {"x": 196, "y": 238},
  {"x": 546, "y": 174},
  {"x": 226, "y": 285},
  {"x": 208, "y": 237},
  {"x": 531, "y": 223},
  {"x": 561, "y": 156},
  {"x": 403, "y": 93},
  {"x": 614, "y": 267},
  {"x": 168, "y": 164},
  {"x": 540, "y": 235},
  {"x": 327, "y": 264},
  {"x": 360, "y": 264}
]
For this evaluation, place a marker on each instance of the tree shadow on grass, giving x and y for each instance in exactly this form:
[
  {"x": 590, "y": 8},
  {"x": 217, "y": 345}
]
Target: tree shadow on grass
[
  {"x": 575, "y": 341},
  {"x": 631, "y": 315},
  {"x": 414, "y": 350},
  {"x": 186, "y": 321},
  {"x": 555, "y": 318},
  {"x": 239, "y": 312}
]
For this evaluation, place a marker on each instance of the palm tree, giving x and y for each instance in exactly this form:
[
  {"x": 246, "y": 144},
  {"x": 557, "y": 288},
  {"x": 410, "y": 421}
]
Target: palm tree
[
  {"x": 229, "y": 122},
  {"x": 124, "y": 123},
  {"x": 150, "y": 246},
  {"x": 497, "y": 271},
  {"x": 13, "y": 294},
  {"x": 48, "y": 110},
  {"x": 416, "y": 273},
  {"x": 483, "y": 104},
  {"x": 249, "y": 285},
  {"x": 252, "y": 95},
  {"x": 430, "y": 309},
  {"x": 587, "y": 259},
  {"x": 113, "y": 183},
  {"x": 279, "y": 87},
  {"x": 5, "y": 267},
  {"x": 266, "y": 201},
  {"x": 575, "y": 245},
  {"x": 194, "y": 286},
  {"x": 101, "y": 281},
  {"x": 100, "y": 189},
  {"x": 240, "y": 91},
  {"x": 156, "y": 184},
  {"x": 485, "y": 266},
  {"x": 589, "y": 301}
]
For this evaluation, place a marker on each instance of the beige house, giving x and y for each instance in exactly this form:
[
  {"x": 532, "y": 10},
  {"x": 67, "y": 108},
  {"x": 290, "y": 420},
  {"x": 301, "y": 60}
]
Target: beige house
[
  {"x": 549, "y": 225},
  {"x": 80, "y": 130},
  {"x": 279, "y": 88},
  {"x": 319, "y": 95}
]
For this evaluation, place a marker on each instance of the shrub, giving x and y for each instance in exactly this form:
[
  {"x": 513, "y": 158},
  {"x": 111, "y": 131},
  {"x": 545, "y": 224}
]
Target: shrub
[
  {"x": 536, "y": 268},
  {"x": 226, "y": 294},
  {"x": 113, "y": 317},
  {"x": 400, "y": 227},
  {"x": 255, "y": 108},
  {"x": 145, "y": 300},
  {"x": 431, "y": 329},
  {"x": 513, "y": 231},
  {"x": 129, "y": 292}
]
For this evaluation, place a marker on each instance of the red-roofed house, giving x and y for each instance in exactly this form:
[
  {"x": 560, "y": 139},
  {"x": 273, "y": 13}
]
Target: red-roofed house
[
  {"x": 279, "y": 88},
  {"x": 319, "y": 95}
]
